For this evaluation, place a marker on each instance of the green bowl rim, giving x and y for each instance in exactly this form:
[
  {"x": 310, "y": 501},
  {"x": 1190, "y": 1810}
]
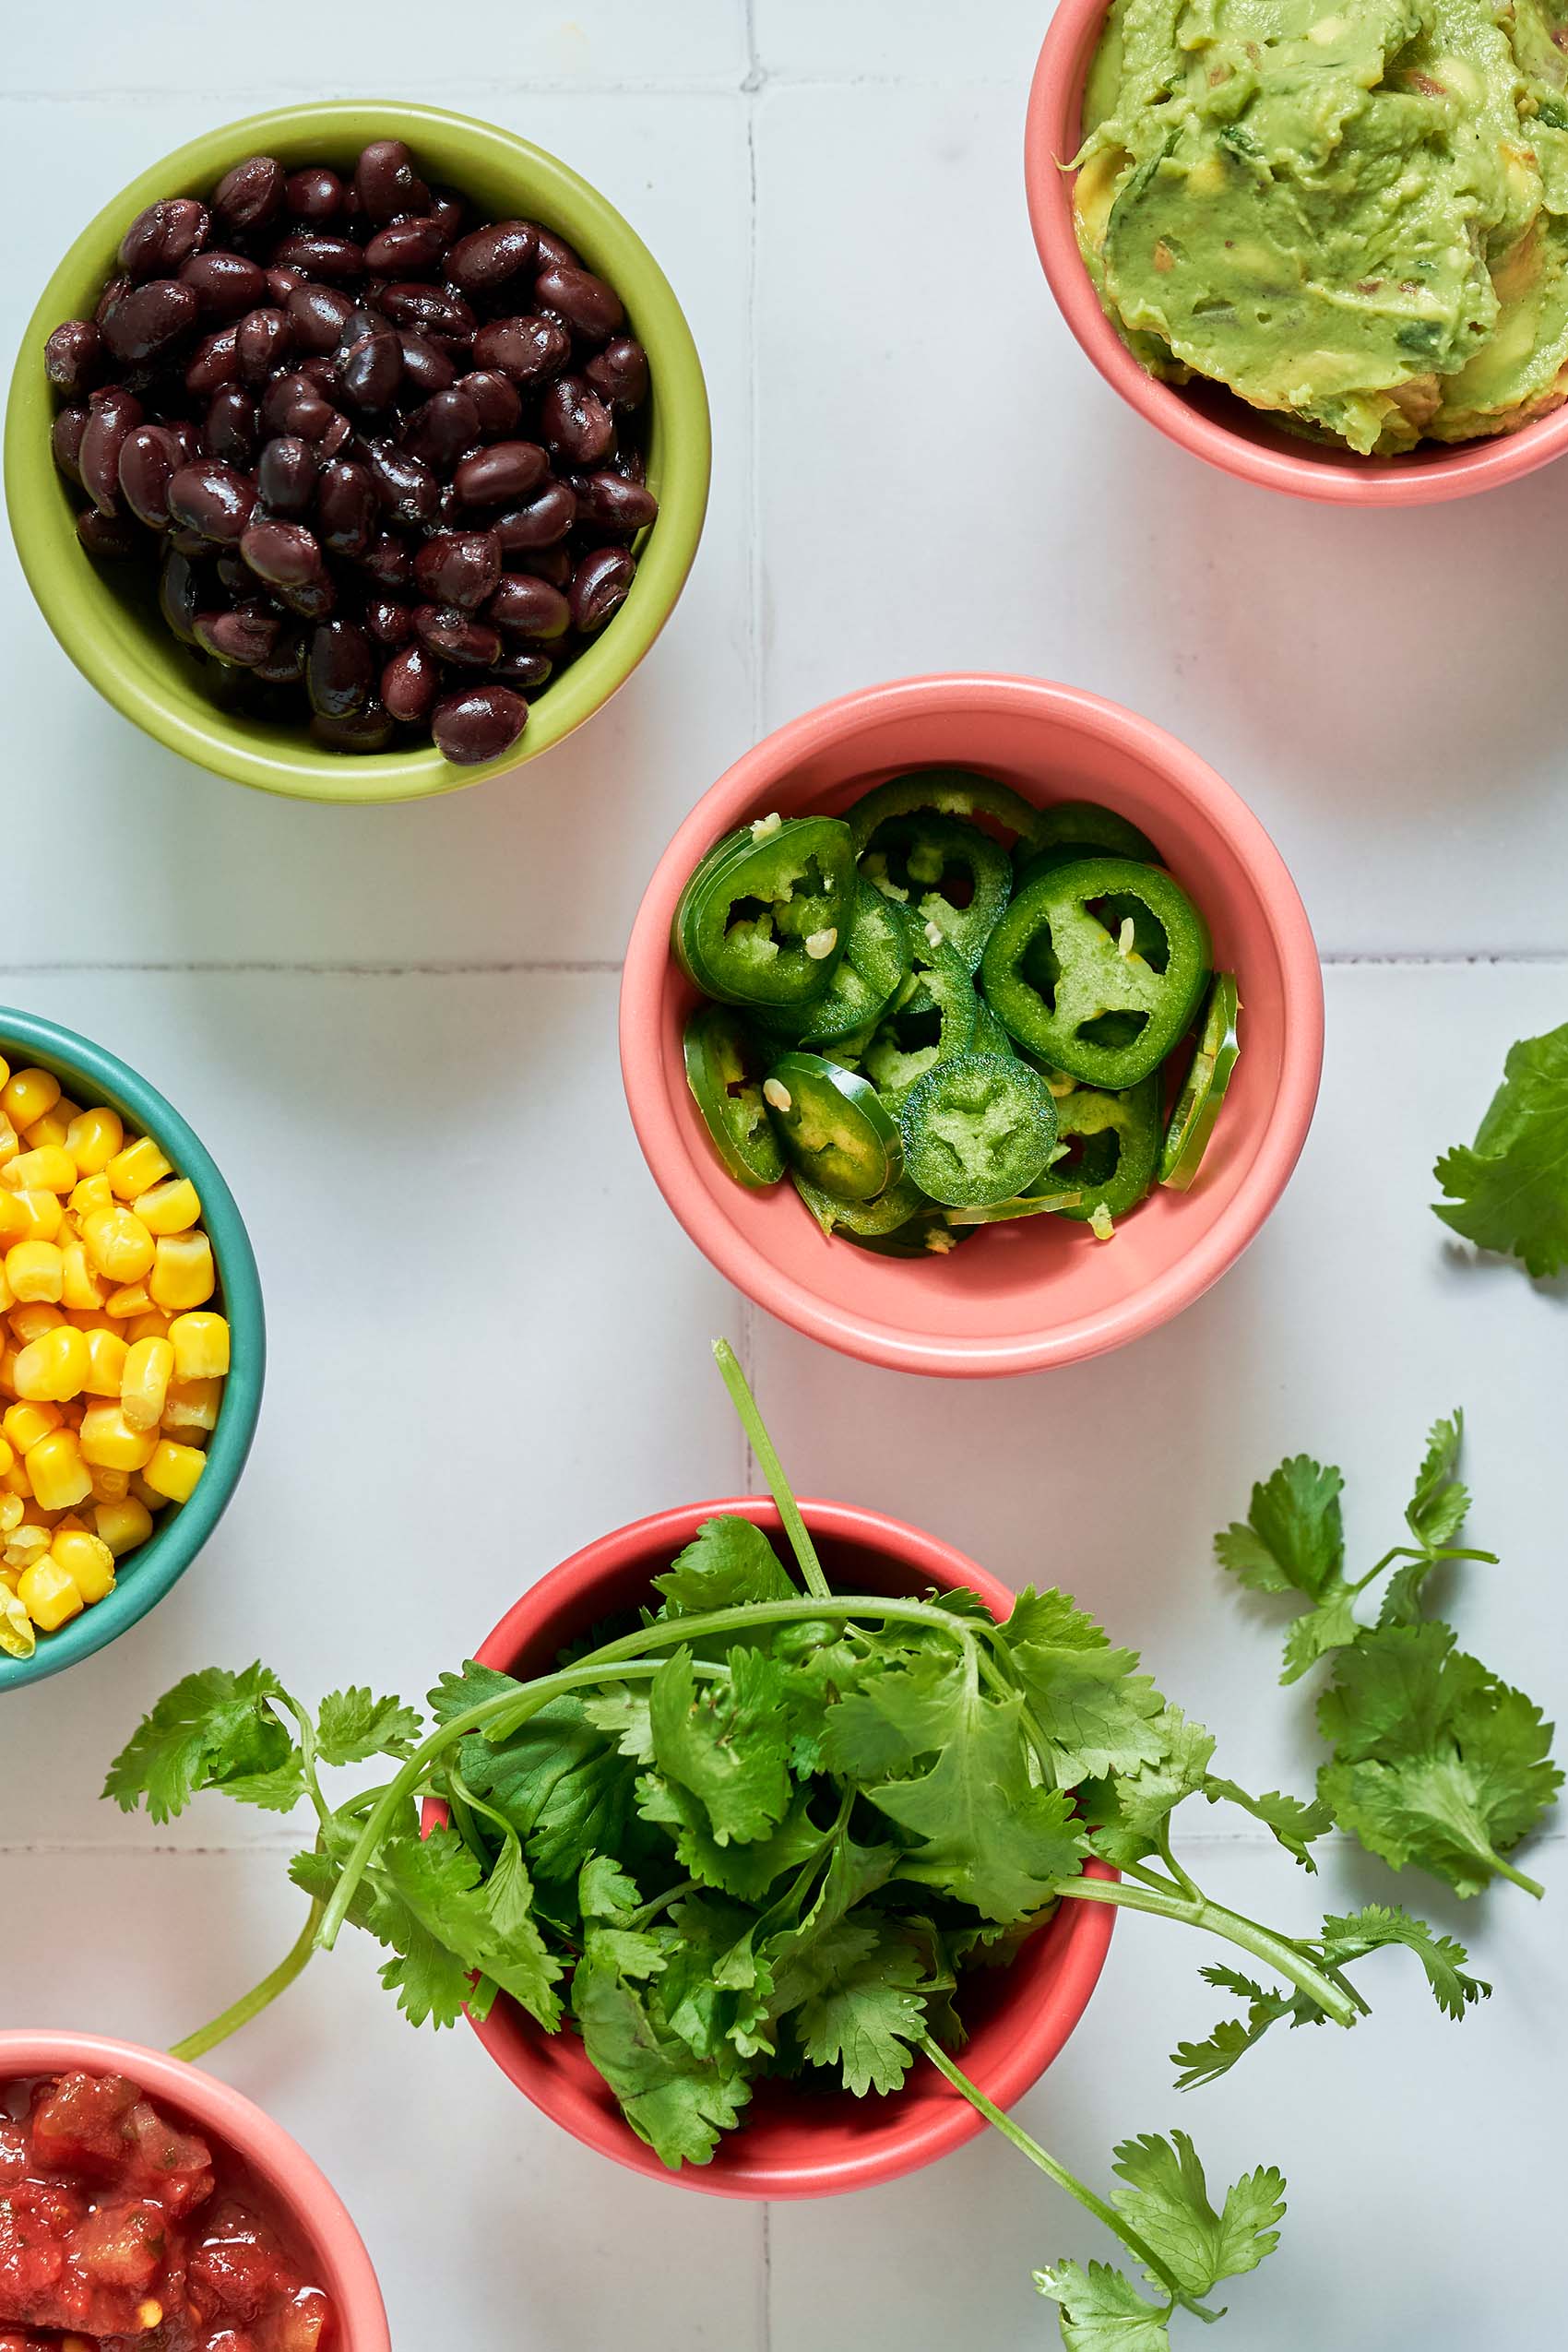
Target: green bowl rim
[
  {"x": 563, "y": 199},
  {"x": 101, "y": 1077}
]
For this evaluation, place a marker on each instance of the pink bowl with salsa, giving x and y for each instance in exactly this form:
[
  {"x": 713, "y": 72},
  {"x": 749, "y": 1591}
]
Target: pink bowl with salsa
[
  {"x": 794, "y": 2143},
  {"x": 260, "y": 2208}
]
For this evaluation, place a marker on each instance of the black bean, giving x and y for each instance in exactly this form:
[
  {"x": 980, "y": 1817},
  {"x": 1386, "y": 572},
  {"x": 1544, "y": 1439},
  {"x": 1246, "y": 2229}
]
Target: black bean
[
  {"x": 319, "y": 316},
  {"x": 286, "y": 474},
  {"x": 488, "y": 257},
  {"x": 262, "y": 339},
  {"x": 527, "y": 350},
  {"x": 112, "y": 414},
  {"x": 405, "y": 247},
  {"x": 106, "y": 537},
  {"x": 581, "y": 301},
  {"x": 575, "y": 423},
  {"x": 619, "y": 372},
  {"x": 389, "y": 622},
  {"x": 293, "y": 404},
  {"x": 179, "y": 595},
  {"x": 162, "y": 237},
  {"x": 478, "y": 723},
  {"x": 285, "y": 665},
  {"x": 539, "y": 523},
  {"x": 599, "y": 586},
  {"x": 554, "y": 252},
  {"x": 555, "y": 564},
  {"x": 66, "y": 440},
  {"x": 214, "y": 499},
  {"x": 457, "y": 637},
  {"x": 387, "y": 183},
  {"x": 426, "y": 366},
  {"x": 251, "y": 195},
  {"x": 496, "y": 400},
  {"x": 459, "y": 567},
  {"x": 362, "y": 730},
  {"x": 371, "y": 369},
  {"x": 428, "y": 310},
  {"x": 445, "y": 424},
  {"x": 506, "y": 470},
  {"x": 215, "y": 361},
  {"x": 346, "y": 507},
  {"x": 225, "y": 284},
  {"x": 526, "y": 607},
  {"x": 228, "y": 431},
  {"x": 389, "y": 561},
  {"x": 318, "y": 255},
  {"x": 72, "y": 357},
  {"x": 409, "y": 684},
  {"x": 150, "y": 458},
  {"x": 245, "y": 636},
  {"x": 148, "y": 319},
  {"x": 281, "y": 283},
  {"x": 283, "y": 554},
  {"x": 608, "y": 502},
  {"x": 404, "y": 483},
  {"x": 340, "y": 670},
  {"x": 314, "y": 194},
  {"x": 524, "y": 667}
]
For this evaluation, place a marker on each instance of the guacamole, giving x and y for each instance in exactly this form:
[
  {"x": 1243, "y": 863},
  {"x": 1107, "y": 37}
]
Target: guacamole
[{"x": 1352, "y": 212}]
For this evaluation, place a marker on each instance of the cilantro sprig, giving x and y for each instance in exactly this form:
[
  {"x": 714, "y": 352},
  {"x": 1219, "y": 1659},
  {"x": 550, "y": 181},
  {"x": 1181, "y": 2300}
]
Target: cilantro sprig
[
  {"x": 763, "y": 1833},
  {"x": 1435, "y": 1761},
  {"x": 1508, "y": 1191}
]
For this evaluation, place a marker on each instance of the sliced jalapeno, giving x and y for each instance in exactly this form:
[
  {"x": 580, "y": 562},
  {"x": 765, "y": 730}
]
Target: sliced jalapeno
[
  {"x": 1113, "y": 1150},
  {"x": 766, "y": 917},
  {"x": 863, "y": 1218},
  {"x": 1071, "y": 829},
  {"x": 934, "y": 1020},
  {"x": 724, "y": 1073},
  {"x": 932, "y": 1236},
  {"x": 833, "y": 1127},
  {"x": 1009, "y": 1212},
  {"x": 1203, "y": 1090},
  {"x": 947, "y": 791},
  {"x": 945, "y": 872},
  {"x": 990, "y": 1037},
  {"x": 872, "y": 971},
  {"x": 976, "y": 1129},
  {"x": 1064, "y": 974}
]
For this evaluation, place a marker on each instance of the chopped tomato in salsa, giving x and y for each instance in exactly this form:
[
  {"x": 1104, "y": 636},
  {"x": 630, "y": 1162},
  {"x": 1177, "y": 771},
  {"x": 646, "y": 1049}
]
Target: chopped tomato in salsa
[{"x": 113, "y": 2238}]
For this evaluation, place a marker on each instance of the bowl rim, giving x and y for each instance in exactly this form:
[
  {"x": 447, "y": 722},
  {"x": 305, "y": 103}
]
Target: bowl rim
[
  {"x": 1050, "y": 139},
  {"x": 169, "y": 1549},
  {"x": 299, "y": 769},
  {"x": 659, "y": 1131},
  {"x": 944, "y": 2119},
  {"x": 294, "y": 2179}
]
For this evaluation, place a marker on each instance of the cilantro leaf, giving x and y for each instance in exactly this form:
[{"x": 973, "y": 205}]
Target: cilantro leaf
[
  {"x": 1295, "y": 1825},
  {"x": 800, "y": 1956},
  {"x": 442, "y": 1924},
  {"x": 352, "y": 1725},
  {"x": 621, "y": 1710},
  {"x": 1441, "y": 1503},
  {"x": 1205, "y": 2061},
  {"x": 1293, "y": 1540},
  {"x": 744, "y": 1871},
  {"x": 868, "y": 2011},
  {"x": 604, "y": 1891},
  {"x": 212, "y": 1731},
  {"x": 1436, "y": 1761},
  {"x": 1167, "y": 2202},
  {"x": 728, "y": 1561},
  {"x": 1508, "y": 1191},
  {"x": 1443, "y": 1960},
  {"x": 1103, "y": 2311},
  {"x": 557, "y": 1780},
  {"x": 1128, "y": 1813},
  {"x": 726, "y": 1741},
  {"x": 1095, "y": 1712},
  {"x": 679, "y": 2100},
  {"x": 898, "y": 1715}
]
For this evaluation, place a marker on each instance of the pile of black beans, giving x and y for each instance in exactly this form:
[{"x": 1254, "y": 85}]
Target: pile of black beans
[{"x": 386, "y": 455}]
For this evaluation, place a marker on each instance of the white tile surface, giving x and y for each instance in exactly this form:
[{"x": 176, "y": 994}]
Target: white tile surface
[{"x": 488, "y": 1339}]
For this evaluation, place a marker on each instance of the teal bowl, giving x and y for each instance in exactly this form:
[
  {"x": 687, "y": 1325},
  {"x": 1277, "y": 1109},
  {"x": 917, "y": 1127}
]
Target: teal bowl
[{"x": 89, "y": 1073}]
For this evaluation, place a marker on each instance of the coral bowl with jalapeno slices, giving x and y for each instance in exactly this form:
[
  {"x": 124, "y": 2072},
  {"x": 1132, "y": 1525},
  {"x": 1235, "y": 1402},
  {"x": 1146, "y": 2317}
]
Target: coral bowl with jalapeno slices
[
  {"x": 97, "y": 2136},
  {"x": 1030, "y": 1290}
]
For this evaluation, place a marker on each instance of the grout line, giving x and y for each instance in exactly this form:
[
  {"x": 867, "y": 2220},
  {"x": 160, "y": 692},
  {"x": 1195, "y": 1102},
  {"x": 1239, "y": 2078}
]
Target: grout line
[
  {"x": 598, "y": 966},
  {"x": 41, "y": 1850},
  {"x": 589, "y": 966},
  {"x": 1347, "y": 958},
  {"x": 754, "y": 80}
]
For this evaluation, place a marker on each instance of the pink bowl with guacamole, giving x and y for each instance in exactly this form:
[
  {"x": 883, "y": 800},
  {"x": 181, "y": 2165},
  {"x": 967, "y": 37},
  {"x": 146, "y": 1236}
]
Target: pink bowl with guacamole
[
  {"x": 1016, "y": 1297},
  {"x": 1207, "y": 419}
]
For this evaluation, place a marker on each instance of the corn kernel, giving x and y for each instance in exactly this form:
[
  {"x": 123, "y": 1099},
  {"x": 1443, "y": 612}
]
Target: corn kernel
[
  {"x": 106, "y": 1353},
  {"x": 17, "y": 1640},
  {"x": 27, "y": 1542},
  {"x": 173, "y": 1207},
  {"x": 25, "y": 1424},
  {"x": 145, "y": 1384},
  {"x": 153, "y": 1324},
  {"x": 93, "y": 1137},
  {"x": 193, "y": 1405},
  {"x": 13, "y": 1510},
  {"x": 82, "y": 1290},
  {"x": 109, "y": 1443},
  {"x": 123, "y": 1525},
  {"x": 7, "y": 1296},
  {"x": 118, "y": 1243},
  {"x": 15, "y": 1482},
  {"x": 134, "y": 1299},
  {"x": 40, "y": 1213},
  {"x": 91, "y": 1193},
  {"x": 49, "y": 1170},
  {"x": 49, "y": 1595},
  {"x": 136, "y": 1169},
  {"x": 174, "y": 1470},
  {"x": 87, "y": 1559},
  {"x": 8, "y": 1455},
  {"x": 109, "y": 1486},
  {"x": 31, "y": 1320},
  {"x": 27, "y": 1094},
  {"x": 201, "y": 1346},
  {"x": 183, "y": 1274},
  {"x": 50, "y": 1132},
  {"x": 35, "y": 1270},
  {"x": 53, "y": 1367},
  {"x": 10, "y": 1142},
  {"x": 60, "y": 1476}
]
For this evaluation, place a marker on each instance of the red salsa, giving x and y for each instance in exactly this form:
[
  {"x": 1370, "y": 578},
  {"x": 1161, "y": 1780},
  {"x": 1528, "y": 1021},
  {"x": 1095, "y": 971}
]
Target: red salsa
[{"x": 115, "y": 2235}]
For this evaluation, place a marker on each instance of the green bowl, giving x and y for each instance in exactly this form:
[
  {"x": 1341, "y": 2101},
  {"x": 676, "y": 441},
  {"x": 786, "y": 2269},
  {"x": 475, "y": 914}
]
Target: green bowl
[
  {"x": 90, "y": 1074},
  {"x": 115, "y": 636}
]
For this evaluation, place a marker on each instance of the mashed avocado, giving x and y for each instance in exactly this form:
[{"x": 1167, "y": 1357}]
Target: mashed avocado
[{"x": 1354, "y": 212}]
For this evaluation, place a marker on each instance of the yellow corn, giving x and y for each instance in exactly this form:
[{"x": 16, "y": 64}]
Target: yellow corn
[
  {"x": 153, "y": 1324},
  {"x": 92, "y": 1193},
  {"x": 200, "y": 1342},
  {"x": 35, "y": 1270},
  {"x": 106, "y": 1353},
  {"x": 134, "y": 1299},
  {"x": 53, "y": 1368},
  {"x": 136, "y": 1169},
  {"x": 109, "y": 1486},
  {"x": 123, "y": 1525},
  {"x": 82, "y": 1290},
  {"x": 87, "y": 1559},
  {"x": 10, "y": 1142},
  {"x": 26, "y": 1543},
  {"x": 118, "y": 1243},
  {"x": 25, "y": 1424},
  {"x": 49, "y": 1170},
  {"x": 183, "y": 1274},
  {"x": 60, "y": 1476},
  {"x": 191, "y": 1405},
  {"x": 53, "y": 1128},
  {"x": 173, "y": 1470},
  {"x": 26, "y": 1095},
  {"x": 49, "y": 1595},
  {"x": 144, "y": 1382},
  {"x": 8, "y": 1455},
  {"x": 109, "y": 1443},
  {"x": 40, "y": 1213},
  {"x": 31, "y": 1321},
  {"x": 93, "y": 1137},
  {"x": 173, "y": 1207}
]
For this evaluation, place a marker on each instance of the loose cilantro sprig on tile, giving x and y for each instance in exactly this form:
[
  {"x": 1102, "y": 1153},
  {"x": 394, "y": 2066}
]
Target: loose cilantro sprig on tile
[
  {"x": 1508, "y": 1191},
  {"x": 1436, "y": 1762},
  {"x": 764, "y": 1832}
]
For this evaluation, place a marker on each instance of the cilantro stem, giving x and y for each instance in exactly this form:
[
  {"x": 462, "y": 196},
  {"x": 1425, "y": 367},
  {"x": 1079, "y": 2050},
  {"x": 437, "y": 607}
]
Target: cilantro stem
[
  {"x": 1196, "y": 1911},
  {"x": 772, "y": 1470},
  {"x": 1067, "y": 2182},
  {"x": 219, "y": 2029},
  {"x": 1515, "y": 1877}
]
